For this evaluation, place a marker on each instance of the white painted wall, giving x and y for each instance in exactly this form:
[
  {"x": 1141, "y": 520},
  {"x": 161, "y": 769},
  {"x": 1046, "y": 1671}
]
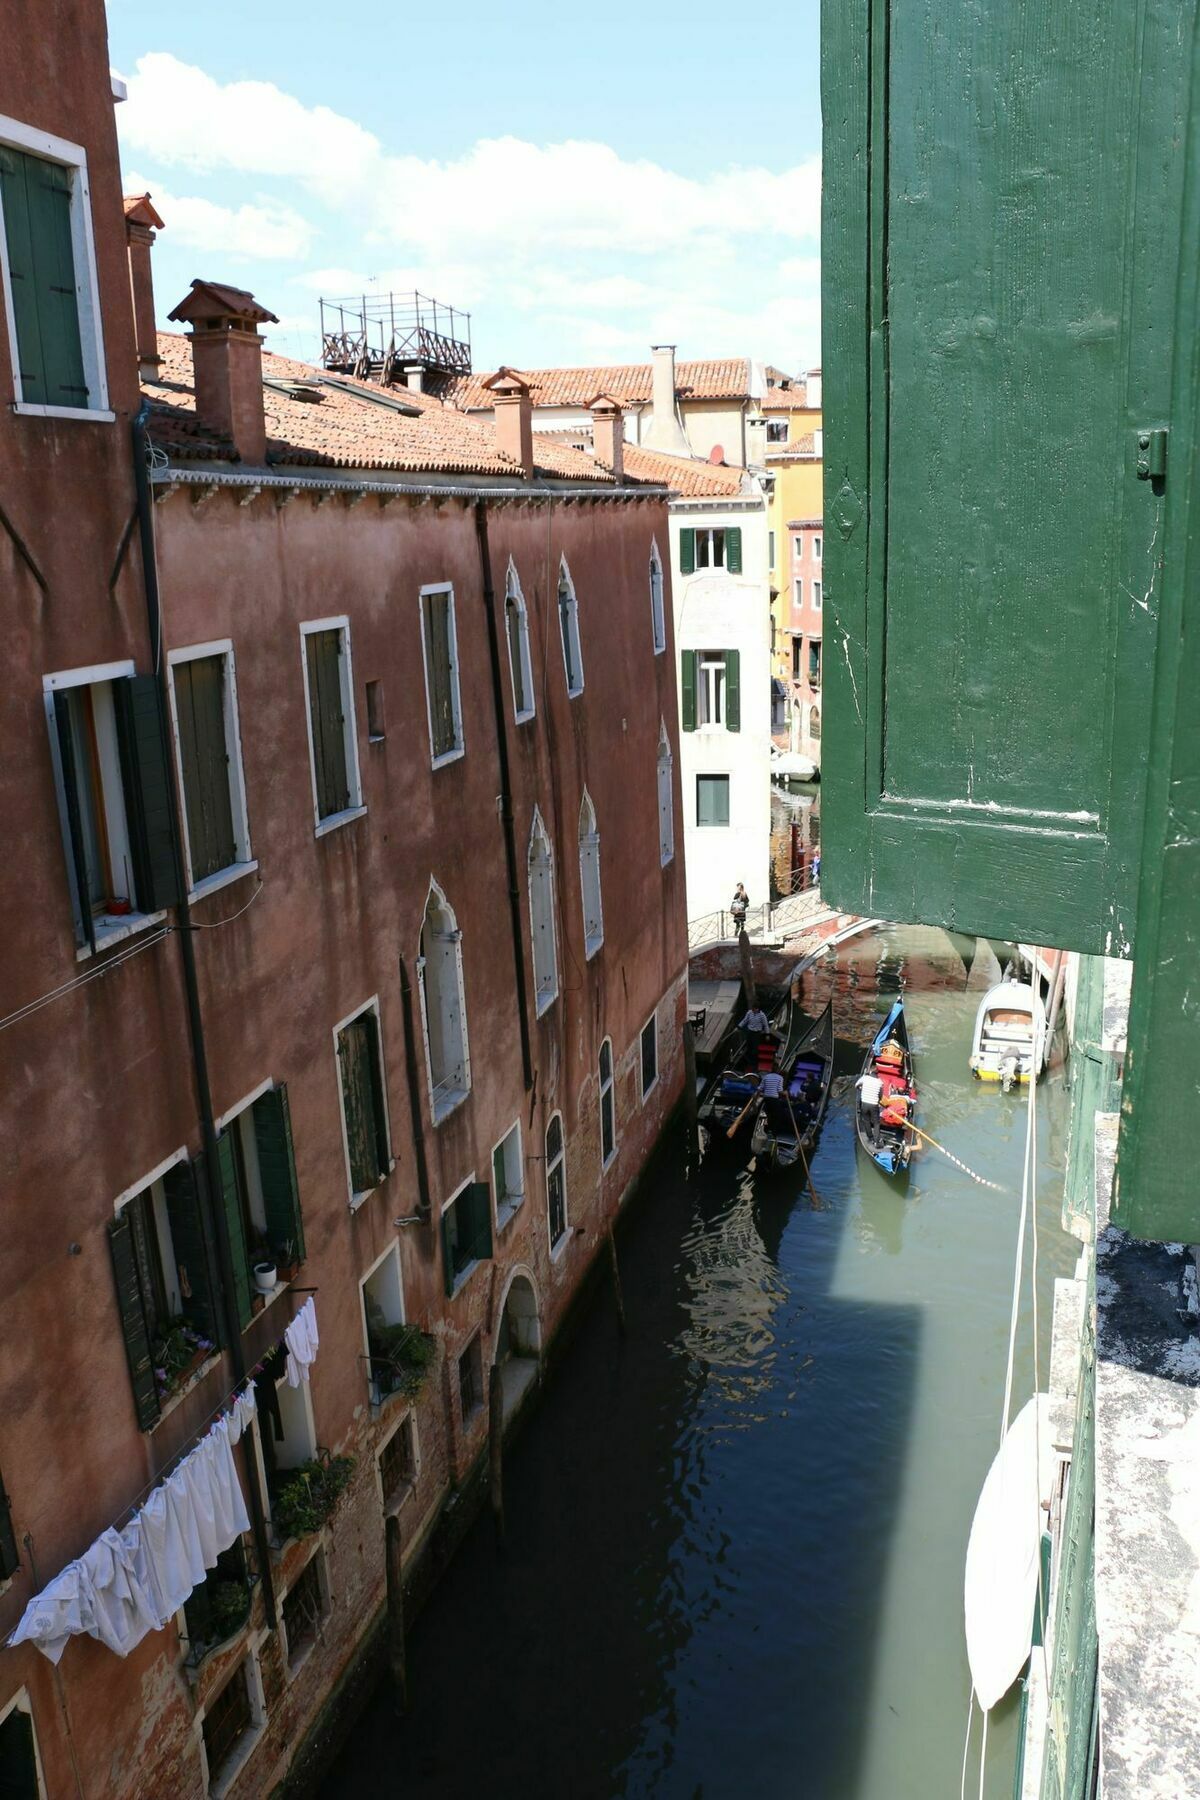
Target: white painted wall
[{"x": 716, "y": 610}]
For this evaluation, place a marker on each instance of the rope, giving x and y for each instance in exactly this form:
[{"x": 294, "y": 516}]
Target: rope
[{"x": 982, "y": 1180}]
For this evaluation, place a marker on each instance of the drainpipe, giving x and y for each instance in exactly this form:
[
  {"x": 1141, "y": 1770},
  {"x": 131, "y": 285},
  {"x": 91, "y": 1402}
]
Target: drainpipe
[
  {"x": 208, "y": 1124},
  {"x": 506, "y": 811}
]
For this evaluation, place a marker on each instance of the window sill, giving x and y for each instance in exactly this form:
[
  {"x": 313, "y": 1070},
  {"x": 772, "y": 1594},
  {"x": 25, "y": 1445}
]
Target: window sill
[
  {"x": 181, "y": 1393},
  {"x": 667, "y": 860},
  {"x": 119, "y": 926},
  {"x": 609, "y": 1160},
  {"x": 646, "y": 1093},
  {"x": 446, "y": 1104},
  {"x": 448, "y": 756},
  {"x": 362, "y": 1194},
  {"x": 556, "y": 1250},
  {"x": 523, "y": 718},
  {"x": 95, "y": 415},
  {"x": 335, "y": 820},
  {"x": 463, "y": 1276},
  {"x": 220, "y": 1786},
  {"x": 269, "y": 1299},
  {"x": 212, "y": 884},
  {"x": 573, "y": 693},
  {"x": 507, "y": 1213},
  {"x": 591, "y": 946},
  {"x": 545, "y": 1002}
]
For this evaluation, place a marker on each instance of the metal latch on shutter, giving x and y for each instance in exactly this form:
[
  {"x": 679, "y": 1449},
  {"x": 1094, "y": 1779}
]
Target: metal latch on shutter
[{"x": 1152, "y": 454}]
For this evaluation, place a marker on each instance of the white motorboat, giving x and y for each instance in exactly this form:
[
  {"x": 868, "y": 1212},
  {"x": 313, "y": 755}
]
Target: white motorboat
[
  {"x": 790, "y": 765},
  {"x": 1000, "y": 1588},
  {"x": 1010, "y": 1034}
]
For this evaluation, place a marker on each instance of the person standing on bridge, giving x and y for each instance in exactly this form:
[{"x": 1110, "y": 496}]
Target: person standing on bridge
[{"x": 739, "y": 906}]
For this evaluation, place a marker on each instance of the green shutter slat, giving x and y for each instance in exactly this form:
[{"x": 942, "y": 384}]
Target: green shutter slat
[
  {"x": 323, "y": 652},
  {"x": 133, "y": 1322},
  {"x": 200, "y": 706},
  {"x": 378, "y": 1105},
  {"x": 733, "y": 549},
  {"x": 480, "y": 1198},
  {"x": 22, "y": 275},
  {"x": 733, "y": 690},
  {"x": 85, "y": 929},
  {"x": 687, "y": 552},
  {"x": 687, "y": 686},
  {"x": 10, "y": 1560},
  {"x": 48, "y": 187},
  {"x": 447, "y": 1249},
  {"x": 146, "y": 776},
  {"x": 356, "y": 1105},
  {"x": 192, "y": 1240},
  {"x": 277, "y": 1171},
  {"x": 231, "y": 1200},
  {"x": 437, "y": 656}
]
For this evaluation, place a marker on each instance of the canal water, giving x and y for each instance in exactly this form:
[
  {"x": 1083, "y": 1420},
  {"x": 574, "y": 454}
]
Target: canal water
[{"x": 736, "y": 1536}]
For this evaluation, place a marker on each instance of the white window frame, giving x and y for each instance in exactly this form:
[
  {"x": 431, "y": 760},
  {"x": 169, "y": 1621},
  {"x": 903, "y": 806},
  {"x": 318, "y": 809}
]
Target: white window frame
[
  {"x": 217, "y": 1786},
  {"x": 651, "y": 1022},
  {"x": 665, "y": 765},
  {"x": 816, "y": 547},
  {"x": 707, "y": 535},
  {"x": 513, "y": 595},
  {"x": 608, "y": 1088},
  {"x": 460, "y": 744},
  {"x": 589, "y": 842},
  {"x": 557, "y": 1246},
  {"x": 714, "y": 775},
  {"x": 21, "y": 1702},
  {"x": 816, "y": 596},
  {"x": 543, "y": 1002},
  {"x": 357, "y": 806},
  {"x": 710, "y": 691},
  {"x": 440, "y": 1109},
  {"x": 245, "y": 863},
  {"x": 798, "y": 590},
  {"x": 17, "y": 136},
  {"x": 407, "y": 1419},
  {"x": 392, "y": 1249},
  {"x": 569, "y": 626},
  {"x": 465, "y": 1273},
  {"x": 798, "y": 544},
  {"x": 511, "y": 1207},
  {"x": 658, "y": 617},
  {"x": 371, "y": 1005}
]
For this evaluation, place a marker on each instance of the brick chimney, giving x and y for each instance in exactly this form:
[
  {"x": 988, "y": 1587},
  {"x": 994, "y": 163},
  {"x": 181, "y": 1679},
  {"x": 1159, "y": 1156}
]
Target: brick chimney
[
  {"x": 756, "y": 440},
  {"x": 227, "y": 363},
  {"x": 141, "y": 223},
  {"x": 608, "y": 433},
  {"x": 513, "y": 417},
  {"x": 665, "y": 430}
]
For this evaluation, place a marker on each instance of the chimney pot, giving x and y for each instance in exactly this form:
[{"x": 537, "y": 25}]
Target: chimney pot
[
  {"x": 227, "y": 363},
  {"x": 513, "y": 415},
  {"x": 608, "y": 433}
]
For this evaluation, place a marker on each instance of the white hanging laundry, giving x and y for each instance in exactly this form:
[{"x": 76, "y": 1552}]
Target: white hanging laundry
[
  {"x": 229, "y": 1507},
  {"x": 162, "y": 1559},
  {"x": 122, "y": 1611},
  {"x": 301, "y": 1339},
  {"x": 62, "y": 1610},
  {"x": 241, "y": 1412}
]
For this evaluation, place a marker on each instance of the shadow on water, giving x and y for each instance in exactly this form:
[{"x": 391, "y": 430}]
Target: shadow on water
[{"x": 703, "y": 1517}]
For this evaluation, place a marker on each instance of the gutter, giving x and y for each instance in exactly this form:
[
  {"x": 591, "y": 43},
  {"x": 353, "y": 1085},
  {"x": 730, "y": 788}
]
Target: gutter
[
  {"x": 183, "y": 930},
  {"x": 390, "y": 490}
]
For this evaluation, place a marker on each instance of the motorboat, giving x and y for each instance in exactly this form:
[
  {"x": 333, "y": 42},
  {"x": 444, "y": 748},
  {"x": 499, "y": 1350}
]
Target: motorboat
[
  {"x": 789, "y": 765},
  {"x": 1010, "y": 1034}
]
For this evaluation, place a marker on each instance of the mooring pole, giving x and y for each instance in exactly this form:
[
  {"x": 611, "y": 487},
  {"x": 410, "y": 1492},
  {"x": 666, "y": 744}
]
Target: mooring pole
[
  {"x": 496, "y": 1450},
  {"x": 747, "y": 969},
  {"x": 691, "y": 1098},
  {"x": 395, "y": 1612},
  {"x": 618, "y": 1296}
]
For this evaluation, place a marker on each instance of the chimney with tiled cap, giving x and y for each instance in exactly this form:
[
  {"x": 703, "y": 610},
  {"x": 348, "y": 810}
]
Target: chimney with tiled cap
[
  {"x": 141, "y": 223},
  {"x": 513, "y": 417},
  {"x": 608, "y": 433},
  {"x": 227, "y": 362}
]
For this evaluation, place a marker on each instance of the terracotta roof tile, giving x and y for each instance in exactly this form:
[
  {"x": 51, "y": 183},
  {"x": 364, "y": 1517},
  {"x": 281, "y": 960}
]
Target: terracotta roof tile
[
  {"x": 801, "y": 446},
  {"x": 683, "y": 474},
  {"x": 793, "y": 399},
  {"x": 722, "y": 378}
]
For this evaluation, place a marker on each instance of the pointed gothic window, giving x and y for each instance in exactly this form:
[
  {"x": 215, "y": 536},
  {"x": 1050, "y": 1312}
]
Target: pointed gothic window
[
  {"x": 666, "y": 800},
  {"x": 516, "y": 630},
  {"x": 568, "y": 624},
  {"x": 541, "y": 910},
  {"x": 589, "y": 876},
  {"x": 443, "y": 1006},
  {"x": 658, "y": 622}
]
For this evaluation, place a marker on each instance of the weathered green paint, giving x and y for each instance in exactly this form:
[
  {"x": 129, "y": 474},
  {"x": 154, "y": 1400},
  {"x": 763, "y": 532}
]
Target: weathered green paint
[
  {"x": 277, "y": 1172},
  {"x": 1156, "y": 1185},
  {"x": 1000, "y": 245}
]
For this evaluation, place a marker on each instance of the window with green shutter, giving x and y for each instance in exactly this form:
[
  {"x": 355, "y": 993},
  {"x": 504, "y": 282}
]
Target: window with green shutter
[
  {"x": 203, "y": 716},
  {"x": 193, "y": 1247},
  {"x": 687, "y": 551},
  {"x": 361, "y": 1073},
  {"x": 733, "y": 690},
  {"x": 441, "y": 673},
  {"x": 466, "y": 1233},
  {"x": 277, "y": 1176},
  {"x": 36, "y": 197},
  {"x": 328, "y": 710},
  {"x": 234, "y": 1197},
  {"x": 10, "y": 1560},
  {"x": 733, "y": 549},
  {"x": 712, "y": 799},
  {"x": 135, "y": 1325},
  {"x": 688, "y": 663}
]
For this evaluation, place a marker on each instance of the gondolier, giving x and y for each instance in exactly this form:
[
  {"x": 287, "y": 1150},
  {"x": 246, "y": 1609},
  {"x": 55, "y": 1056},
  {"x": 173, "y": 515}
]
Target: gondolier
[
  {"x": 756, "y": 1026},
  {"x": 870, "y": 1092}
]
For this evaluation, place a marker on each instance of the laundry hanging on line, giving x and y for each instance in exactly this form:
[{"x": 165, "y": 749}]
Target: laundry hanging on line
[{"x": 301, "y": 1340}]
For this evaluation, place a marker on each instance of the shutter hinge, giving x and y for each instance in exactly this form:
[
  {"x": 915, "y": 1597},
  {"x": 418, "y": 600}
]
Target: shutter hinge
[{"x": 1152, "y": 454}]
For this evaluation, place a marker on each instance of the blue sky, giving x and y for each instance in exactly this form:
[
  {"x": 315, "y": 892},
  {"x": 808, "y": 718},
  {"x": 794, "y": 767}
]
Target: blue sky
[{"x": 585, "y": 181}]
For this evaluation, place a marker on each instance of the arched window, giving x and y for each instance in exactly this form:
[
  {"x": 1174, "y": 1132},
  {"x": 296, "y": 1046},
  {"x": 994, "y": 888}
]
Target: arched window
[
  {"x": 516, "y": 630},
  {"x": 568, "y": 624},
  {"x": 443, "y": 1006},
  {"x": 666, "y": 798},
  {"x": 556, "y": 1182},
  {"x": 541, "y": 912},
  {"x": 658, "y": 623},
  {"x": 814, "y": 722},
  {"x": 589, "y": 877},
  {"x": 608, "y": 1119}
]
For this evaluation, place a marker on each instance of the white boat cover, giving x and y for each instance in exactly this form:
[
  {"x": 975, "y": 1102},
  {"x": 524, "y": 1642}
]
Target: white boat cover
[{"x": 1000, "y": 1589}]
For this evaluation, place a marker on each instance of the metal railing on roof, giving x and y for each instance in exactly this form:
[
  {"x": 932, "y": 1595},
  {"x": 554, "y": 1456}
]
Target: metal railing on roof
[{"x": 375, "y": 336}]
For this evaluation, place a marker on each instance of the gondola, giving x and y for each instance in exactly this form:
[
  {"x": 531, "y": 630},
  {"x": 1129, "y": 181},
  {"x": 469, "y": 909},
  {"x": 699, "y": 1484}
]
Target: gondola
[
  {"x": 892, "y": 1147},
  {"x": 788, "y": 1126},
  {"x": 725, "y": 1100}
]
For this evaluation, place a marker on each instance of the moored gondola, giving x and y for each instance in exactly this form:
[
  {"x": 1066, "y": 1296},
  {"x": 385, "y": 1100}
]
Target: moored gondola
[
  {"x": 883, "y": 1131},
  {"x": 787, "y": 1124},
  {"x": 727, "y": 1103}
]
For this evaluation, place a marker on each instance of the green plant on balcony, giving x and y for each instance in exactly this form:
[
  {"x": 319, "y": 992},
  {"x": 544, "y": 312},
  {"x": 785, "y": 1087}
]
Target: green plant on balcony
[
  {"x": 306, "y": 1496},
  {"x": 177, "y": 1354},
  {"x": 400, "y": 1358}
]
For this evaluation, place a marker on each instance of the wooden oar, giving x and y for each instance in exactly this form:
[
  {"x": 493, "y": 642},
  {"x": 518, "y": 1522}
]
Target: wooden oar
[
  {"x": 817, "y": 1201},
  {"x": 925, "y": 1138},
  {"x": 752, "y": 1101}
]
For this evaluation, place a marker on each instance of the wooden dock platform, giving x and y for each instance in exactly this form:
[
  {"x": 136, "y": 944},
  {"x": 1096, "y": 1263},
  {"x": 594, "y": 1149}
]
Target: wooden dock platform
[{"x": 719, "y": 1002}]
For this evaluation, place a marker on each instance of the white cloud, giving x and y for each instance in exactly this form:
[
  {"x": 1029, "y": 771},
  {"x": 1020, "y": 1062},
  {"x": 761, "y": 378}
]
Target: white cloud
[{"x": 264, "y": 230}]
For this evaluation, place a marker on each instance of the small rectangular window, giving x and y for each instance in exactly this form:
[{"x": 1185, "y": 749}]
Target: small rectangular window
[
  {"x": 712, "y": 799},
  {"x": 304, "y": 1607},
  {"x": 217, "y": 1610},
  {"x": 376, "y": 729},
  {"x": 466, "y": 1232},
  {"x": 710, "y": 549},
  {"x": 712, "y": 687},
  {"x": 333, "y": 740},
  {"x": 19, "y": 1777},
  {"x": 608, "y": 1121},
  {"x": 777, "y": 430},
  {"x": 798, "y": 591},
  {"x": 470, "y": 1378},
  {"x": 364, "y": 1107},
  {"x": 388, "y": 1337},
  {"x": 44, "y": 205},
  {"x": 520, "y": 660},
  {"x": 204, "y": 698},
  {"x": 508, "y": 1175},
  {"x": 771, "y": 548},
  {"x": 817, "y": 548},
  {"x": 797, "y": 658},
  {"x": 226, "y": 1721},
  {"x": 816, "y": 596},
  {"x": 398, "y": 1462},
  {"x": 814, "y": 662},
  {"x": 441, "y": 673},
  {"x": 797, "y": 546},
  {"x": 649, "y": 1054}
]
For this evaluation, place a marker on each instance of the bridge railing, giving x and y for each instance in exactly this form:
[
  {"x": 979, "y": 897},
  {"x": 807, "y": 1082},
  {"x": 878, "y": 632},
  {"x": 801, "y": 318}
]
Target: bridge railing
[{"x": 786, "y": 916}]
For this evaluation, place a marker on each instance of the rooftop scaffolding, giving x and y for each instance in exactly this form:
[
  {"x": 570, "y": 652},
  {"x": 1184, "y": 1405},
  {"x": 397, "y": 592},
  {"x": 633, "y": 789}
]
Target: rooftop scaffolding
[{"x": 379, "y": 337}]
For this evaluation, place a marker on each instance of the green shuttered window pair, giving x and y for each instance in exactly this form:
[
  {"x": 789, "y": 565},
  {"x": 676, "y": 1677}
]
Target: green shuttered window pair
[
  {"x": 361, "y": 1066},
  {"x": 466, "y": 1232},
  {"x": 36, "y": 199},
  {"x": 706, "y": 547},
  {"x": 200, "y": 709},
  {"x": 705, "y": 699},
  {"x": 263, "y": 1225},
  {"x": 323, "y": 652},
  {"x": 441, "y": 673}
]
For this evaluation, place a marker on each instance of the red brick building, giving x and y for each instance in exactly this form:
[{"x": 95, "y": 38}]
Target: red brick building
[{"x": 347, "y": 949}]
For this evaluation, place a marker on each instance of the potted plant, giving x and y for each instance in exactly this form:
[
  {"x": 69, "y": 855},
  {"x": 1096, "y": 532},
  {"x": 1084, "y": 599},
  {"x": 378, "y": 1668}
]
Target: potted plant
[
  {"x": 177, "y": 1354},
  {"x": 400, "y": 1358},
  {"x": 287, "y": 1261},
  {"x": 264, "y": 1275},
  {"x": 307, "y": 1495}
]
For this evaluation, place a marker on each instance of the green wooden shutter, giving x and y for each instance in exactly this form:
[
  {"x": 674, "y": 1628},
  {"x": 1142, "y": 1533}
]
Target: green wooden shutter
[
  {"x": 993, "y": 563},
  {"x": 479, "y": 1199},
  {"x": 733, "y": 549},
  {"x": 133, "y": 1322},
  {"x": 22, "y": 275},
  {"x": 277, "y": 1171},
  {"x": 687, "y": 552},
  {"x": 146, "y": 776},
  {"x": 81, "y": 904},
  {"x": 362, "y": 1097},
  {"x": 200, "y": 709},
  {"x": 192, "y": 1242},
  {"x": 10, "y": 1560},
  {"x": 688, "y": 660},
  {"x": 438, "y": 671},
  {"x": 383, "y": 1152},
  {"x": 733, "y": 690},
  {"x": 323, "y": 652},
  {"x": 449, "y": 1241},
  {"x": 18, "y": 1757},
  {"x": 36, "y": 198},
  {"x": 231, "y": 1200}
]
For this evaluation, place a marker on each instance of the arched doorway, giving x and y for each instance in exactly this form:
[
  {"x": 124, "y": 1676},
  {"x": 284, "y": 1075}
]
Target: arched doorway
[{"x": 518, "y": 1342}]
